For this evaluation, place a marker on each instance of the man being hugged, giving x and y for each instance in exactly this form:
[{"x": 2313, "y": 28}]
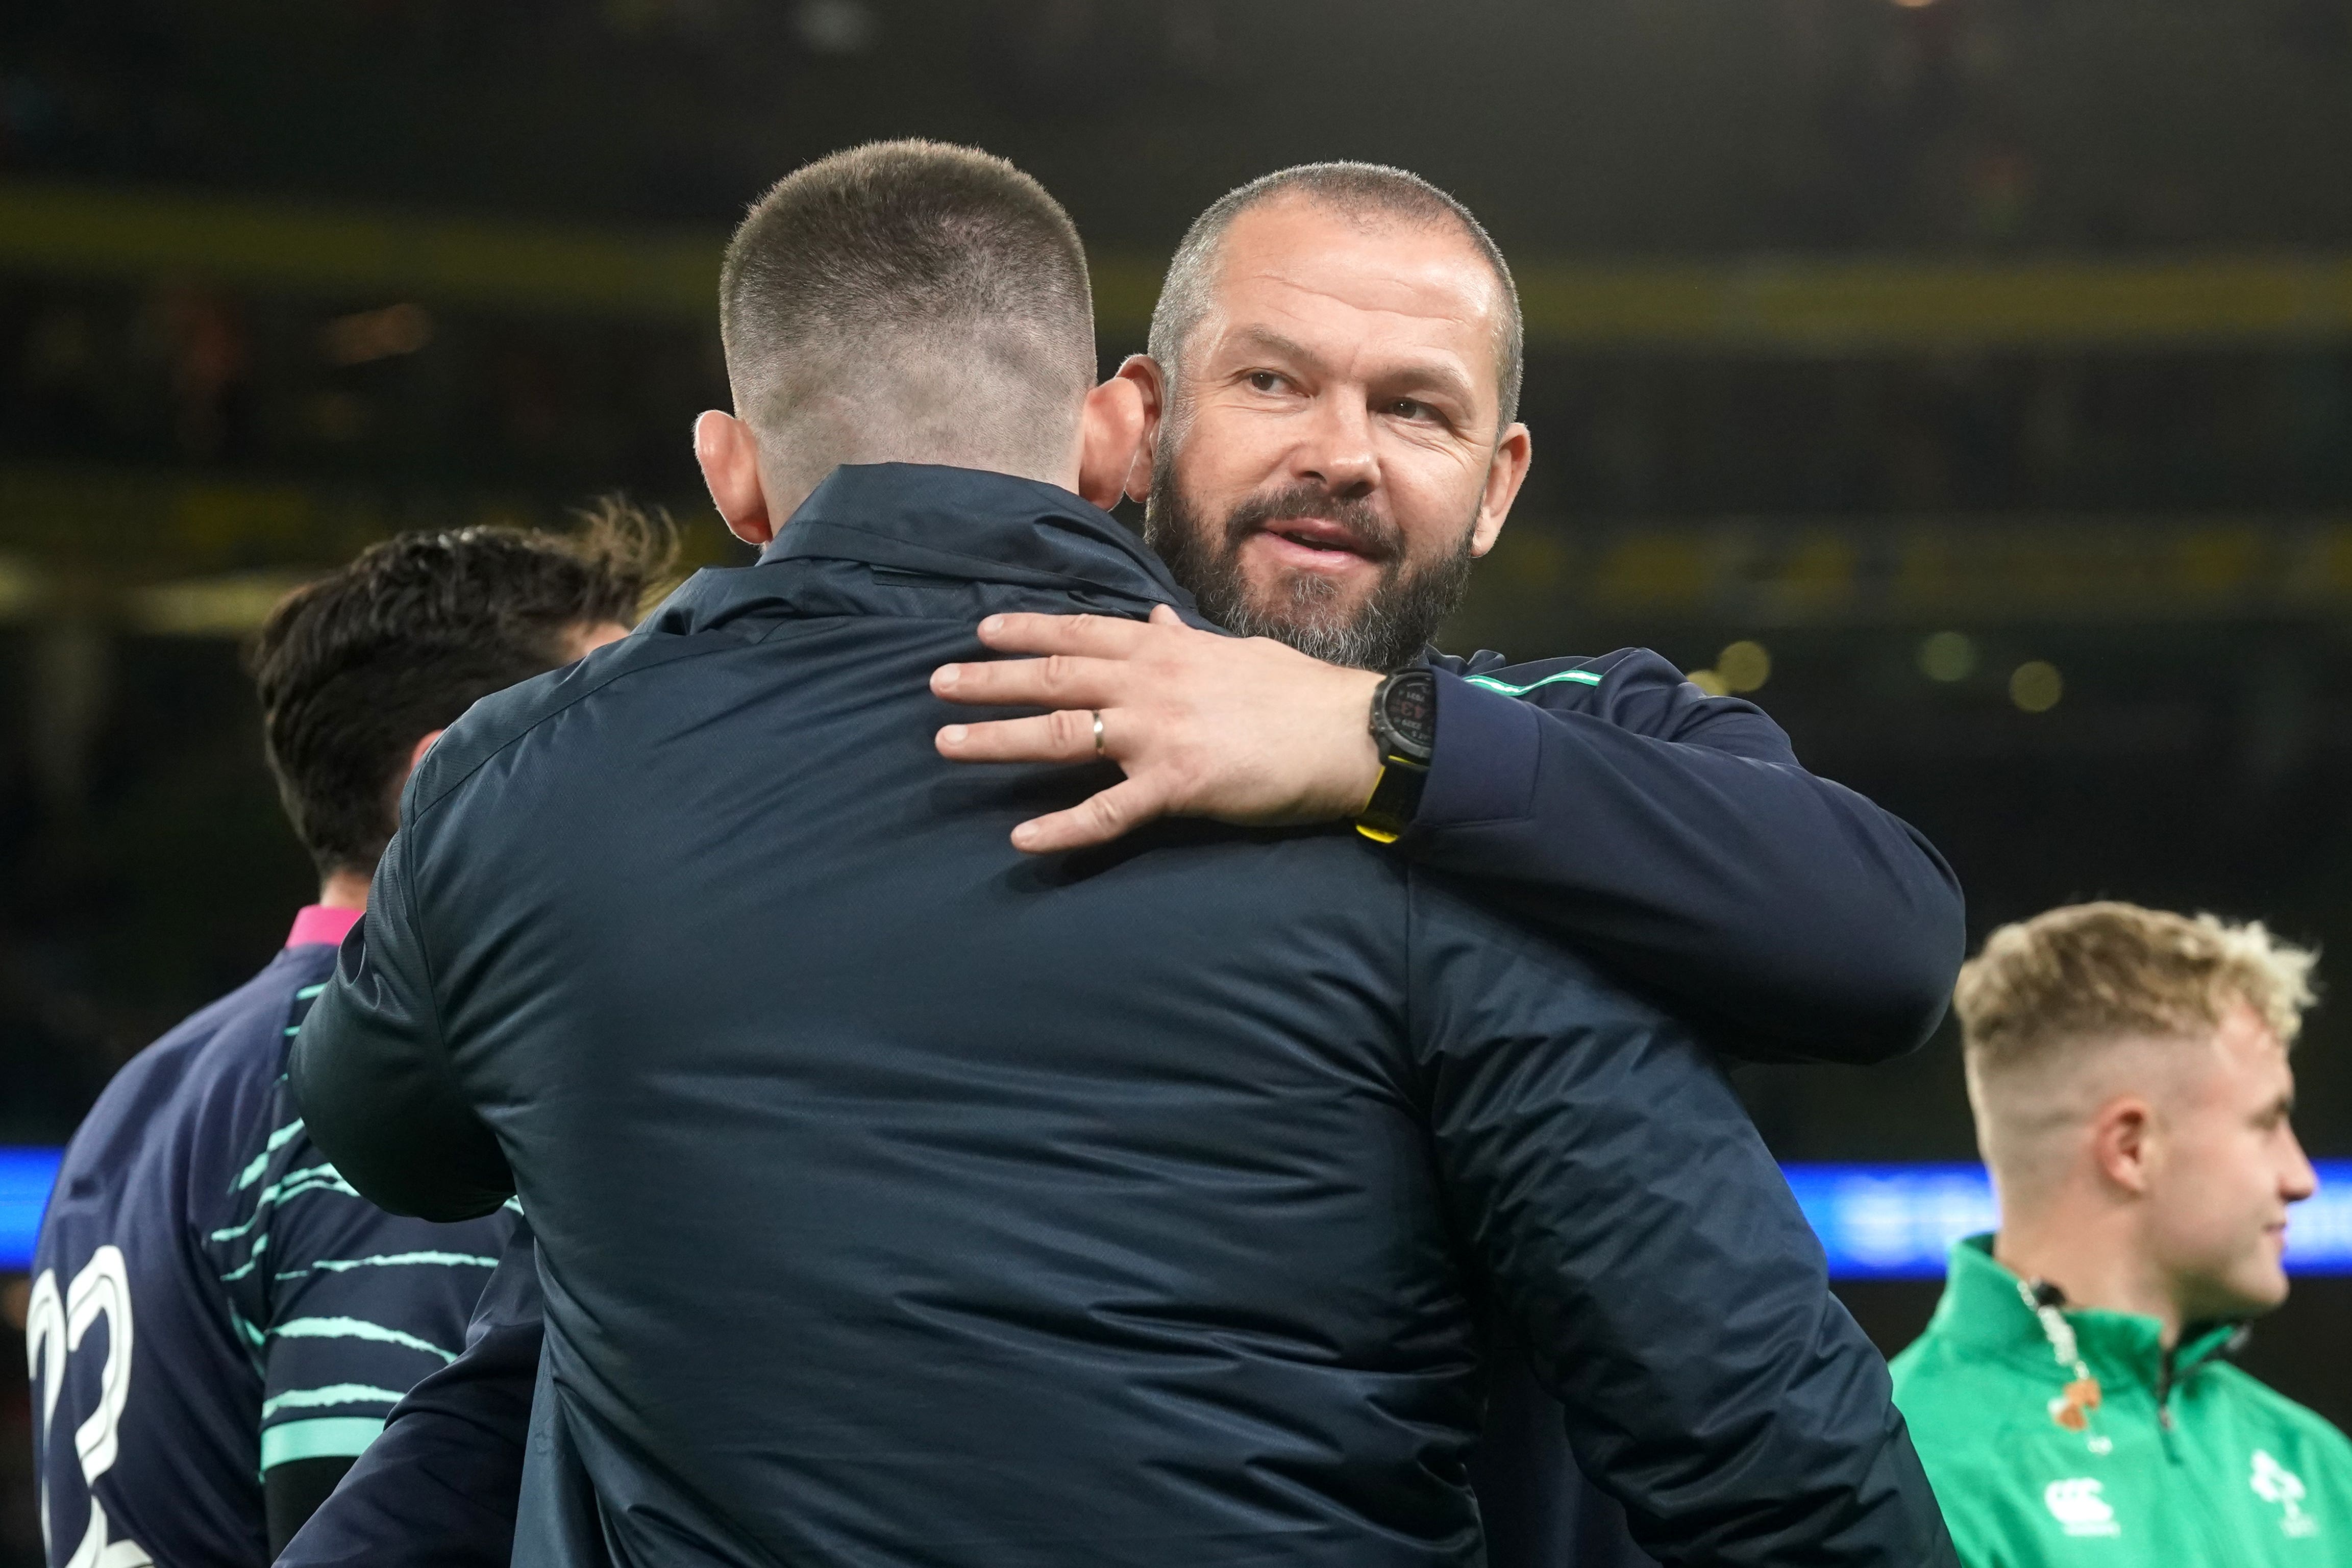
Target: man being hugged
[{"x": 2072, "y": 1398}]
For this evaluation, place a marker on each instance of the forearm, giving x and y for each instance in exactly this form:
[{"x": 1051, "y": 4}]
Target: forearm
[{"x": 1795, "y": 916}]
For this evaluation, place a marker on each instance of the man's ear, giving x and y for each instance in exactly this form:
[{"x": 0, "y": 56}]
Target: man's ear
[
  {"x": 730, "y": 455},
  {"x": 1505, "y": 474},
  {"x": 1110, "y": 432},
  {"x": 417, "y": 753},
  {"x": 2121, "y": 1134},
  {"x": 1142, "y": 373}
]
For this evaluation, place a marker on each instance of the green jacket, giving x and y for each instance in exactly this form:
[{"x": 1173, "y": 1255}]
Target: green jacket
[{"x": 2178, "y": 1462}]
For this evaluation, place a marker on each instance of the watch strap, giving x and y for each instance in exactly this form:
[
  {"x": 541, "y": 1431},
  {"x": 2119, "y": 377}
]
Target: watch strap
[{"x": 1396, "y": 797}]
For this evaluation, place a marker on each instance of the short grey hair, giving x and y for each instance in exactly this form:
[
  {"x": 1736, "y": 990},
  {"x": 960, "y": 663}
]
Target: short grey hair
[
  {"x": 908, "y": 300},
  {"x": 1359, "y": 191}
]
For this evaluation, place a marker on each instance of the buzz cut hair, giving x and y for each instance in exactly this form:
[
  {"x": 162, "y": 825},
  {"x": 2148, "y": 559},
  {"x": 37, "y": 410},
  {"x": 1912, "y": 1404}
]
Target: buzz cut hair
[
  {"x": 1368, "y": 194},
  {"x": 909, "y": 300}
]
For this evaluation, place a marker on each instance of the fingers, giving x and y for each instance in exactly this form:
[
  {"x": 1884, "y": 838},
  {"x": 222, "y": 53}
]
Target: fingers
[
  {"x": 1079, "y": 669},
  {"x": 1095, "y": 636},
  {"x": 1095, "y": 820},
  {"x": 1058, "y": 680},
  {"x": 1066, "y": 736}
]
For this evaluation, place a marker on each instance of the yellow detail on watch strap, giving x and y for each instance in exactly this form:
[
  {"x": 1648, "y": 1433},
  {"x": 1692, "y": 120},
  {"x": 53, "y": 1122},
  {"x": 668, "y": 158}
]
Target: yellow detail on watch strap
[{"x": 1382, "y": 835}]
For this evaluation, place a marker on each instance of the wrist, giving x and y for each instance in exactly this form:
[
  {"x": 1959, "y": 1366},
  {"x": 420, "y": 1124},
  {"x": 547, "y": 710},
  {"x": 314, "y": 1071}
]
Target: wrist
[
  {"x": 1359, "y": 766},
  {"x": 1403, "y": 725}
]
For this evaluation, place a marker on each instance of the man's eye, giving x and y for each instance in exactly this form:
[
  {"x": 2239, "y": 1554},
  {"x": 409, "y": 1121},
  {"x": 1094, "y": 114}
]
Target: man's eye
[
  {"x": 1265, "y": 381},
  {"x": 1406, "y": 408}
]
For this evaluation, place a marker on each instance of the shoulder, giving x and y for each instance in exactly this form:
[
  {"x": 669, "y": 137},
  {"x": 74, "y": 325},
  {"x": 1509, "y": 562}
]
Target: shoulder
[
  {"x": 1952, "y": 1394},
  {"x": 217, "y": 1066},
  {"x": 504, "y": 718}
]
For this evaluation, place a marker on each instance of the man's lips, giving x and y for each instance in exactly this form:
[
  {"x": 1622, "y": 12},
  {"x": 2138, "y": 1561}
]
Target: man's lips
[{"x": 1315, "y": 543}]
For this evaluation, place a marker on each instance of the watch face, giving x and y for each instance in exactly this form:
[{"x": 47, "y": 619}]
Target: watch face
[{"x": 1408, "y": 707}]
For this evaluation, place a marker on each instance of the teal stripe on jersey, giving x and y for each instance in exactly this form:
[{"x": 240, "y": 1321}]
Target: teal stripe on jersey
[
  {"x": 277, "y": 1139},
  {"x": 1580, "y": 677},
  {"x": 357, "y": 1328},
  {"x": 333, "y": 1394},
  {"x": 393, "y": 1260},
  {"x": 324, "y": 1438},
  {"x": 310, "y": 1178},
  {"x": 260, "y": 1245},
  {"x": 307, "y": 992}
]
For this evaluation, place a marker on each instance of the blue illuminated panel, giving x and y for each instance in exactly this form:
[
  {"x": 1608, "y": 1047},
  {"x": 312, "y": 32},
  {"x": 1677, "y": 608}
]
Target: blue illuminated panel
[
  {"x": 25, "y": 1177},
  {"x": 1896, "y": 1222},
  {"x": 1876, "y": 1222}
]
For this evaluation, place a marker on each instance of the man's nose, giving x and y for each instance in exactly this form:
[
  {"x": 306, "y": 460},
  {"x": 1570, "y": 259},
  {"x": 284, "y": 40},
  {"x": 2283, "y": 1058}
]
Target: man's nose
[
  {"x": 1336, "y": 448},
  {"x": 2298, "y": 1181}
]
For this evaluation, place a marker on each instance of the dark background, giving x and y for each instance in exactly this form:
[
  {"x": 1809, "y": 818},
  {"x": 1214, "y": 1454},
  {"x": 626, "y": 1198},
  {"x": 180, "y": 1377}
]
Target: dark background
[{"x": 1852, "y": 323}]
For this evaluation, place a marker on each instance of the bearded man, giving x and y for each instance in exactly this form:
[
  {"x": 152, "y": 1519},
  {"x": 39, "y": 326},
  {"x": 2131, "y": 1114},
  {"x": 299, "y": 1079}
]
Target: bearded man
[{"x": 1331, "y": 443}]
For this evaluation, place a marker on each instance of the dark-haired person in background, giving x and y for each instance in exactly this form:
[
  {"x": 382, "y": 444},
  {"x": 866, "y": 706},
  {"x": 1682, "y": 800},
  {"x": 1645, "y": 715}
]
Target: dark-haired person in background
[{"x": 218, "y": 1323}]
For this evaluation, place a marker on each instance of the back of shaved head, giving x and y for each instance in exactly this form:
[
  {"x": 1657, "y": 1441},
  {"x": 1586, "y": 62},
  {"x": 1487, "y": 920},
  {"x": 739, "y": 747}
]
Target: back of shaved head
[{"x": 908, "y": 301}]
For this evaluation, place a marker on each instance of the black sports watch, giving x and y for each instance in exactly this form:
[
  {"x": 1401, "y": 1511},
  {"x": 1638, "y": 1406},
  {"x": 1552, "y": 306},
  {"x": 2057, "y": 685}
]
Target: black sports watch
[{"x": 1404, "y": 726}]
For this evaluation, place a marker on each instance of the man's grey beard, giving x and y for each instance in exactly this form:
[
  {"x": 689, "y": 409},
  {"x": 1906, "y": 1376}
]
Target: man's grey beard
[{"x": 1387, "y": 631}]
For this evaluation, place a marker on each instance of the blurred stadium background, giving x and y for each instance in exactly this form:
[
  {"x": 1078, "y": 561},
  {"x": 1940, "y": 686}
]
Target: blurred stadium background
[{"x": 1968, "y": 380}]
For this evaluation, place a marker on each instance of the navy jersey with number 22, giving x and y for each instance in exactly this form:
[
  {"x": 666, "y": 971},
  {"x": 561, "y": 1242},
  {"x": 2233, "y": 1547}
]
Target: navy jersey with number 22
[{"x": 210, "y": 1298}]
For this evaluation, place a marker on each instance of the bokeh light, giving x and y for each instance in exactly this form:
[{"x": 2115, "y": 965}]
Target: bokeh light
[
  {"x": 1744, "y": 666},
  {"x": 2036, "y": 685},
  {"x": 1948, "y": 656}
]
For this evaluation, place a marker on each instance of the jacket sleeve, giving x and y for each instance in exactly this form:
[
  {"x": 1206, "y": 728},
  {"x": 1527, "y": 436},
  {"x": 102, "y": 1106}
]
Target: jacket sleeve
[
  {"x": 1625, "y": 1218},
  {"x": 1675, "y": 838},
  {"x": 371, "y": 1075},
  {"x": 439, "y": 1487}
]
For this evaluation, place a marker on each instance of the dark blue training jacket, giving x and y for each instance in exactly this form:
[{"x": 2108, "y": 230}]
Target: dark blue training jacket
[{"x": 902, "y": 1200}]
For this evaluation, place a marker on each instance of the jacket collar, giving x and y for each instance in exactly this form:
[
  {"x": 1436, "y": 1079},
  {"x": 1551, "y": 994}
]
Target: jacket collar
[
  {"x": 968, "y": 523},
  {"x": 1984, "y": 1305}
]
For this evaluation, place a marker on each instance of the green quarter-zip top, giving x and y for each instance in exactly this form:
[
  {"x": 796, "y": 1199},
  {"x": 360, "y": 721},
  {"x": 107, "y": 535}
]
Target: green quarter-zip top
[{"x": 2061, "y": 1437}]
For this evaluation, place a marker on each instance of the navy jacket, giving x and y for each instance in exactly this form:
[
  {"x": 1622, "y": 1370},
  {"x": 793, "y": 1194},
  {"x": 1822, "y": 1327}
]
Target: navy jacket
[{"x": 902, "y": 1200}]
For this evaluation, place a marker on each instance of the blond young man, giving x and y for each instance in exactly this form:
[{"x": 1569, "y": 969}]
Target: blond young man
[{"x": 2072, "y": 1398}]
